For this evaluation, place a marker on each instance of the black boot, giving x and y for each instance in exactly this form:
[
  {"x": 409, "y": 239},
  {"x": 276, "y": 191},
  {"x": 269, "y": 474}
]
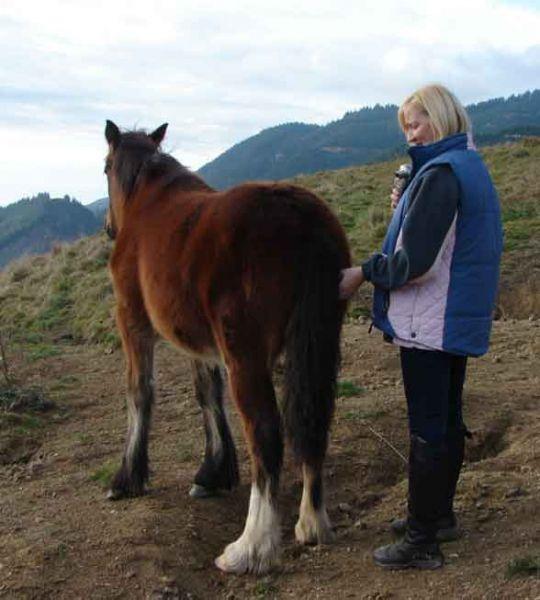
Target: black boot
[
  {"x": 408, "y": 554},
  {"x": 446, "y": 527},
  {"x": 427, "y": 491},
  {"x": 456, "y": 452}
]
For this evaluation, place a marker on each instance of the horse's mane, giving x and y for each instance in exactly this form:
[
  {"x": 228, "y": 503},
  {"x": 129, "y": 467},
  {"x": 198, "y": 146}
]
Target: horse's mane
[{"x": 138, "y": 160}]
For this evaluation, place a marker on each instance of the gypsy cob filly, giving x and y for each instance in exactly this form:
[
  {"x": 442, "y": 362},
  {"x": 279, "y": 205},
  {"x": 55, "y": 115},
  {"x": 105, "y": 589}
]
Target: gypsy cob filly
[{"x": 232, "y": 278}]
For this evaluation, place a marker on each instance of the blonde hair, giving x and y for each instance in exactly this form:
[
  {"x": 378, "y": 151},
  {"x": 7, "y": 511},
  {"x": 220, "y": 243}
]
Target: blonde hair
[{"x": 445, "y": 111}]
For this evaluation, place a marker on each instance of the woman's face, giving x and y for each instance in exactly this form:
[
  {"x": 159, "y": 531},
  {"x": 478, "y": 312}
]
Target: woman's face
[{"x": 418, "y": 127}]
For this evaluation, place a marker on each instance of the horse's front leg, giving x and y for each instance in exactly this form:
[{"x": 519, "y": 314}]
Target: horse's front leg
[
  {"x": 138, "y": 342},
  {"x": 257, "y": 549},
  {"x": 219, "y": 469}
]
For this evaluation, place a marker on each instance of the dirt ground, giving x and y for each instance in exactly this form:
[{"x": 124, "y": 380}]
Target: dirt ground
[{"x": 60, "y": 537}]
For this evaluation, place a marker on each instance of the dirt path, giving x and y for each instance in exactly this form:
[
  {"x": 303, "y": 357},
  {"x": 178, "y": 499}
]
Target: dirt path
[{"x": 60, "y": 538}]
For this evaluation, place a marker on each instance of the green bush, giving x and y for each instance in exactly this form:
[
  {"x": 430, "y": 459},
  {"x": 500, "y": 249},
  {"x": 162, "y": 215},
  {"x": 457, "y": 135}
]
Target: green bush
[{"x": 525, "y": 566}]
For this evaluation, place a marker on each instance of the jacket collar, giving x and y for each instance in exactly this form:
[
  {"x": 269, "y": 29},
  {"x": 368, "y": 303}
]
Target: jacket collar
[{"x": 420, "y": 155}]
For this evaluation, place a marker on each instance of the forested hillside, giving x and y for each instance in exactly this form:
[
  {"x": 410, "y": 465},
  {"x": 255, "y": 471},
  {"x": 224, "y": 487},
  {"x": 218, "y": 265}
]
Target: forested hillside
[
  {"x": 33, "y": 225},
  {"x": 364, "y": 136}
]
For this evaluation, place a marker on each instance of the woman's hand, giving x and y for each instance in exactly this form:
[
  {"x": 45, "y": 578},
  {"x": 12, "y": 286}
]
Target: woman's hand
[
  {"x": 394, "y": 198},
  {"x": 351, "y": 280}
]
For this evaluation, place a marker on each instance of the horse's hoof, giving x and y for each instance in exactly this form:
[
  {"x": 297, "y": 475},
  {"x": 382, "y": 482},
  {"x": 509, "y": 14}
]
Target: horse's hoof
[
  {"x": 222, "y": 564},
  {"x": 236, "y": 566},
  {"x": 313, "y": 533},
  {"x": 199, "y": 491},
  {"x": 242, "y": 566},
  {"x": 116, "y": 495},
  {"x": 121, "y": 493},
  {"x": 239, "y": 558}
]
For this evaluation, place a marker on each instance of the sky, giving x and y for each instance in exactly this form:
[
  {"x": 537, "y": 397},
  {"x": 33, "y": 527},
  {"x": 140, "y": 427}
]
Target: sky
[{"x": 219, "y": 72}]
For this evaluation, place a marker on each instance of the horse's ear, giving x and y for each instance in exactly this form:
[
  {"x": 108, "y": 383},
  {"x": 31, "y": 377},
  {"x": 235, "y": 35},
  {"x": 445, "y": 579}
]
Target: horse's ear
[
  {"x": 159, "y": 134},
  {"x": 112, "y": 134}
]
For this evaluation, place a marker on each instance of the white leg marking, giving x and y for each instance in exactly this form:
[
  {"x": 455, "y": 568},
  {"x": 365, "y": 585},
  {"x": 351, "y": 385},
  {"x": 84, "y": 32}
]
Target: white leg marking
[
  {"x": 313, "y": 526},
  {"x": 216, "y": 444},
  {"x": 134, "y": 434},
  {"x": 216, "y": 447},
  {"x": 257, "y": 549}
]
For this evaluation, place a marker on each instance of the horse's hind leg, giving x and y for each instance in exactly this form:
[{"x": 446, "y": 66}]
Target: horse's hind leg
[
  {"x": 313, "y": 526},
  {"x": 257, "y": 549},
  {"x": 138, "y": 342},
  {"x": 310, "y": 443},
  {"x": 219, "y": 469}
]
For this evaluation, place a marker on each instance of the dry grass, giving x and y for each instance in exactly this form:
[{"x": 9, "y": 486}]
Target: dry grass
[{"x": 65, "y": 295}]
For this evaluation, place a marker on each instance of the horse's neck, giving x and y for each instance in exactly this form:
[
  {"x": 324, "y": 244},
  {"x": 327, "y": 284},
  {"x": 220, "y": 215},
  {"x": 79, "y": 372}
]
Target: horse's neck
[
  {"x": 165, "y": 171},
  {"x": 169, "y": 187},
  {"x": 185, "y": 181}
]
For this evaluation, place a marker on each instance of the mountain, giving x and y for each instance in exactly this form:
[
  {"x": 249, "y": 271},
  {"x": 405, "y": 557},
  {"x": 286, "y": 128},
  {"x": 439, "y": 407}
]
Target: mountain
[
  {"x": 99, "y": 207},
  {"x": 364, "y": 136},
  {"x": 34, "y": 225}
]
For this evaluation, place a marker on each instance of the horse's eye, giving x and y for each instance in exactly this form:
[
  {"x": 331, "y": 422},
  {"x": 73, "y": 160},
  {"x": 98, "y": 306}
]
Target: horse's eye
[{"x": 108, "y": 165}]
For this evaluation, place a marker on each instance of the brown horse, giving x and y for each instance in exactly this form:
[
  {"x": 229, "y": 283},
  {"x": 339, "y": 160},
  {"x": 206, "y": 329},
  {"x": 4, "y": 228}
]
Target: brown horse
[{"x": 232, "y": 278}]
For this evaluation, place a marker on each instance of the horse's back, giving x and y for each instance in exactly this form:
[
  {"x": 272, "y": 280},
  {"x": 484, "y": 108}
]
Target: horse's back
[
  {"x": 282, "y": 217},
  {"x": 202, "y": 223}
]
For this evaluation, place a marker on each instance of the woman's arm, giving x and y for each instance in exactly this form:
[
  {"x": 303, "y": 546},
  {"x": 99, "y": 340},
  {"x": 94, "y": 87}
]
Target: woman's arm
[{"x": 431, "y": 212}]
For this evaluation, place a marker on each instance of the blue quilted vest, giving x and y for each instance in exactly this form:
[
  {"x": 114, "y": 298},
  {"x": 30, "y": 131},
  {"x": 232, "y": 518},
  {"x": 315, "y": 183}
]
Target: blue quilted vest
[{"x": 474, "y": 270}]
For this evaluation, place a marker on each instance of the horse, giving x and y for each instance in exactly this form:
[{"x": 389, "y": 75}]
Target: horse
[{"x": 236, "y": 279}]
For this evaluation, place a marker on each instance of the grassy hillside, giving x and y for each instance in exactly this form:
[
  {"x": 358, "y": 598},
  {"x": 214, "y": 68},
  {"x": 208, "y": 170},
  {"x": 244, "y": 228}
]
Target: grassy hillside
[
  {"x": 360, "y": 197},
  {"x": 62, "y": 296},
  {"x": 67, "y": 295}
]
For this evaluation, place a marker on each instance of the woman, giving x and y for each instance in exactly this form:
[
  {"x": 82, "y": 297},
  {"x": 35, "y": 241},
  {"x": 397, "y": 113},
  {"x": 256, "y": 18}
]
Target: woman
[{"x": 435, "y": 285}]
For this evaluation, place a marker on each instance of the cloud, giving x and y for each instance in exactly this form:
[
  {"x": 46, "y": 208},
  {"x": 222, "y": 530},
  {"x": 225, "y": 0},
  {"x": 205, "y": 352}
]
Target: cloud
[{"x": 220, "y": 74}]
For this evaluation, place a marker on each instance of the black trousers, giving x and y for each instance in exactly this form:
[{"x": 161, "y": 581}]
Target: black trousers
[{"x": 433, "y": 382}]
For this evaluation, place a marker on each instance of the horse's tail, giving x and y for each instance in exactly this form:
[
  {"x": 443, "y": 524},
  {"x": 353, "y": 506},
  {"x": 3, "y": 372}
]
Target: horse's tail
[{"x": 312, "y": 347}]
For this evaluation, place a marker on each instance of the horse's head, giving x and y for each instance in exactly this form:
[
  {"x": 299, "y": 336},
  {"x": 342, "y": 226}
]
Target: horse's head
[{"x": 127, "y": 153}]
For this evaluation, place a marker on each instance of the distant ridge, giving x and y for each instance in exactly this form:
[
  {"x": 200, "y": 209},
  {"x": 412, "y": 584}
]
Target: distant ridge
[
  {"x": 34, "y": 225},
  {"x": 99, "y": 207},
  {"x": 370, "y": 135},
  {"x": 360, "y": 137}
]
